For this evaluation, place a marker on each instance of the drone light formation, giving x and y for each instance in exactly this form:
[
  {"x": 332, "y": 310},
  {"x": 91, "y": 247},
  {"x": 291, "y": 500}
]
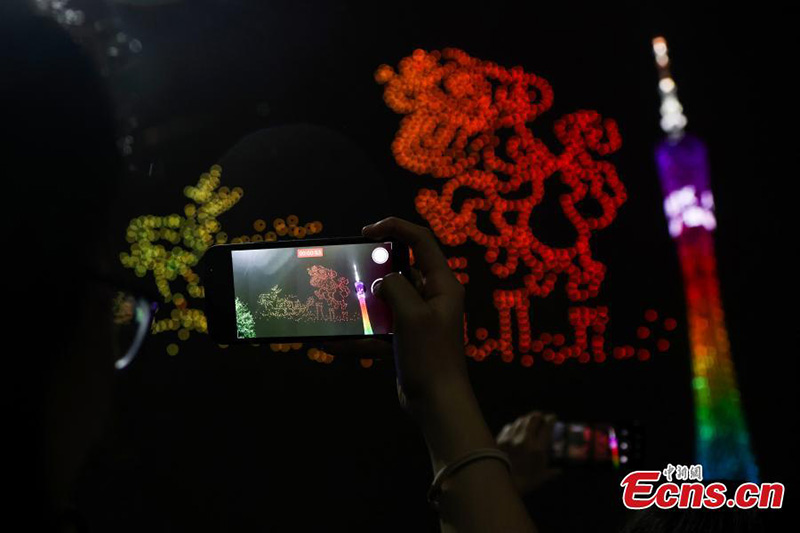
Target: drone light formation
[
  {"x": 722, "y": 439},
  {"x": 168, "y": 247},
  {"x": 455, "y": 109}
]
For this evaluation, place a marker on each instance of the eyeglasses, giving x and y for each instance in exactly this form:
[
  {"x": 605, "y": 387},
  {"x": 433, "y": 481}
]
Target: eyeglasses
[
  {"x": 132, "y": 311},
  {"x": 132, "y": 317}
]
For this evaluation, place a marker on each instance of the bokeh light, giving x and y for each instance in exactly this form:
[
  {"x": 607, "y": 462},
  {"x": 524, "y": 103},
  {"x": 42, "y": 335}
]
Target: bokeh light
[{"x": 455, "y": 109}]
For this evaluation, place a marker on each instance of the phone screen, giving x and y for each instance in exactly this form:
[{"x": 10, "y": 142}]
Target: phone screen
[
  {"x": 312, "y": 291},
  {"x": 595, "y": 444},
  {"x": 579, "y": 439}
]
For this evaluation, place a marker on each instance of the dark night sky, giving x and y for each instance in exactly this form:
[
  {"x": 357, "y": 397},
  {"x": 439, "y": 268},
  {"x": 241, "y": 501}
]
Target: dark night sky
[{"x": 213, "y": 437}]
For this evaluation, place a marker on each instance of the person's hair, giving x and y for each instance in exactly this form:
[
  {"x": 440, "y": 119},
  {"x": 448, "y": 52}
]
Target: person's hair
[
  {"x": 59, "y": 159},
  {"x": 60, "y": 166}
]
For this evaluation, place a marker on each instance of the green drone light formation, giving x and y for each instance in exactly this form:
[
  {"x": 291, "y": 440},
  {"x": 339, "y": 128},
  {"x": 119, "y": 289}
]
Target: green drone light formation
[{"x": 169, "y": 247}]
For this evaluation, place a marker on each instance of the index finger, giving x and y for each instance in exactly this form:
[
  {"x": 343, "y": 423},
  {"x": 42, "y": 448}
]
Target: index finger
[{"x": 429, "y": 258}]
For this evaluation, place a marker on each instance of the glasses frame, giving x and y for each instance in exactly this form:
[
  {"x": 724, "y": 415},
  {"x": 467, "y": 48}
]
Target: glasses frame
[{"x": 145, "y": 304}]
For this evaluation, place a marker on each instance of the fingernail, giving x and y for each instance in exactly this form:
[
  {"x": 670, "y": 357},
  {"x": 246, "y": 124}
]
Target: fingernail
[{"x": 365, "y": 228}]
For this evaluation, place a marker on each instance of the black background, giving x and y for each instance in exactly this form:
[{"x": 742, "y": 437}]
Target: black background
[{"x": 246, "y": 438}]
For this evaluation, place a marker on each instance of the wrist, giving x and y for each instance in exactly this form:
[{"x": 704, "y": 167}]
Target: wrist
[
  {"x": 452, "y": 423},
  {"x": 432, "y": 404}
]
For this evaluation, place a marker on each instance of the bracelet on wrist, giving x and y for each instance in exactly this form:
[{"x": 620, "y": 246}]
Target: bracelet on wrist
[{"x": 448, "y": 470}]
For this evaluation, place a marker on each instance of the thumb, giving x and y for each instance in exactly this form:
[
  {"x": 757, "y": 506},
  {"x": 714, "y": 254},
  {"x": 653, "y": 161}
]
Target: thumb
[{"x": 398, "y": 292}]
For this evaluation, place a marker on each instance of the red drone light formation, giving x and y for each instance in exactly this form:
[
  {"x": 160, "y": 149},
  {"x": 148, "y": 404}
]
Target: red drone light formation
[
  {"x": 331, "y": 288},
  {"x": 455, "y": 106}
]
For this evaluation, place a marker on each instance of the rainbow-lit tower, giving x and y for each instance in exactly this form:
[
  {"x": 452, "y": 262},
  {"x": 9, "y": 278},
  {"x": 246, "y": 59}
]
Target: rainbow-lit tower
[
  {"x": 362, "y": 301},
  {"x": 722, "y": 440}
]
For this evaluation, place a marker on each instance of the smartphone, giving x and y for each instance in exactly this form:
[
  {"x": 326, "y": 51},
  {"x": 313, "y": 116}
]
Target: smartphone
[
  {"x": 619, "y": 445},
  {"x": 288, "y": 290}
]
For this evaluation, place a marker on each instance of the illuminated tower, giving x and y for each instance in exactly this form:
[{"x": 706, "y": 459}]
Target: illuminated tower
[
  {"x": 722, "y": 440},
  {"x": 362, "y": 301}
]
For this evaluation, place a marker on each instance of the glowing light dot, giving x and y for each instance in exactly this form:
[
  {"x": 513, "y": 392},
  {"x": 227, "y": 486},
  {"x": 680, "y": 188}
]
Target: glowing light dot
[
  {"x": 659, "y": 45},
  {"x": 173, "y": 349},
  {"x": 629, "y": 351},
  {"x": 666, "y": 84},
  {"x": 453, "y": 107}
]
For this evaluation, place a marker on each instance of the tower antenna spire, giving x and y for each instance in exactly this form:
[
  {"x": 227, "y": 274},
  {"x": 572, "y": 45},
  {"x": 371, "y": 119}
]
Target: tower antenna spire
[{"x": 673, "y": 121}]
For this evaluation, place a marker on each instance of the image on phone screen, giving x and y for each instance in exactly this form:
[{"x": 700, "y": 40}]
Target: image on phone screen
[
  {"x": 311, "y": 291},
  {"x": 579, "y": 438}
]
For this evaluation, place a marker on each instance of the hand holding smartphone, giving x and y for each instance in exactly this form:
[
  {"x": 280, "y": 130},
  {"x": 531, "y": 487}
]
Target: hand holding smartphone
[{"x": 317, "y": 289}]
